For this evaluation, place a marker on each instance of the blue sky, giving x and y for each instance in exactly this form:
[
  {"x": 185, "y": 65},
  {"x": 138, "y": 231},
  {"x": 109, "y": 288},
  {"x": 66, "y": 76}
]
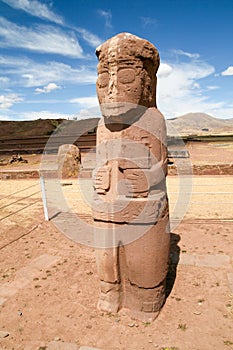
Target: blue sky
[{"x": 48, "y": 62}]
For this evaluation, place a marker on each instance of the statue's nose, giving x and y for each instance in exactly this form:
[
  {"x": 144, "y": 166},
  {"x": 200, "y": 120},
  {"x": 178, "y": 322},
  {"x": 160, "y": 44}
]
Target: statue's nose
[{"x": 112, "y": 88}]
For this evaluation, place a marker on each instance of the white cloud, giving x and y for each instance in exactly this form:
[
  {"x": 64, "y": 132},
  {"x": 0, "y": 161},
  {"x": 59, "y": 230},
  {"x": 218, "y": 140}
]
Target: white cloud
[
  {"x": 228, "y": 71},
  {"x": 41, "y": 38},
  {"x": 6, "y": 101},
  {"x": 48, "y": 88},
  {"x": 35, "y": 8},
  {"x": 44, "y": 115},
  {"x": 196, "y": 86},
  {"x": 5, "y": 117},
  {"x": 187, "y": 54},
  {"x": 107, "y": 15},
  {"x": 4, "y": 82},
  {"x": 147, "y": 21},
  {"x": 27, "y": 73},
  {"x": 223, "y": 111},
  {"x": 32, "y": 115},
  {"x": 12, "y": 61},
  {"x": 89, "y": 113},
  {"x": 212, "y": 87},
  {"x": 58, "y": 72},
  {"x": 86, "y": 102},
  {"x": 164, "y": 70},
  {"x": 179, "y": 92},
  {"x": 90, "y": 107},
  {"x": 92, "y": 39},
  {"x": 182, "y": 77}
]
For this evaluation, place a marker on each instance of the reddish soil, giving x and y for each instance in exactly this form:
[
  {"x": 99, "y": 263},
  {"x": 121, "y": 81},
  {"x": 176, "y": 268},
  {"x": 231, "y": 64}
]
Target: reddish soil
[{"x": 56, "y": 297}]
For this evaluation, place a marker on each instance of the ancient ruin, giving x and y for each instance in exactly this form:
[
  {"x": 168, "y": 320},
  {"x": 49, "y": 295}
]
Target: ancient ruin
[
  {"x": 69, "y": 160},
  {"x": 130, "y": 180}
]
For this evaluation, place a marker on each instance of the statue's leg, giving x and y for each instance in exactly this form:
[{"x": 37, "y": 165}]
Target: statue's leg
[
  {"x": 108, "y": 272},
  {"x": 147, "y": 265}
]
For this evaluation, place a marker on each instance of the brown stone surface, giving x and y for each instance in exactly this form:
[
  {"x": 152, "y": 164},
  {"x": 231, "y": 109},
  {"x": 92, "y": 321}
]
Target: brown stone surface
[
  {"x": 129, "y": 180},
  {"x": 69, "y": 159},
  {"x": 58, "y": 345},
  {"x": 127, "y": 72},
  {"x": 26, "y": 274},
  {"x": 205, "y": 169},
  {"x": 19, "y": 174}
]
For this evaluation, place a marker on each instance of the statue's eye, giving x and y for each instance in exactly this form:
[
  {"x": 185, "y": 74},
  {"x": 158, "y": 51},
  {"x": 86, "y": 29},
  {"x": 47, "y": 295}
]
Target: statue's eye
[
  {"x": 103, "y": 79},
  {"x": 126, "y": 75}
]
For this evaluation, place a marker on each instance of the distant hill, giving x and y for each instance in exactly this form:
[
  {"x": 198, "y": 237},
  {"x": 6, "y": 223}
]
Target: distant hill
[
  {"x": 200, "y": 124},
  {"x": 188, "y": 124},
  {"x": 45, "y": 127},
  {"x": 77, "y": 127},
  {"x": 229, "y": 122},
  {"x": 39, "y": 127}
]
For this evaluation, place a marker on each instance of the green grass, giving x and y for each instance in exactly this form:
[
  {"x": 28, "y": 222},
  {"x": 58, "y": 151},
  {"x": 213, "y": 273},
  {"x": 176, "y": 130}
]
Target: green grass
[{"x": 183, "y": 327}]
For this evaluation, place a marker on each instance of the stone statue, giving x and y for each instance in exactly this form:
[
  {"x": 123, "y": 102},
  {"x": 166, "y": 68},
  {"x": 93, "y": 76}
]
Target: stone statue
[{"x": 130, "y": 180}]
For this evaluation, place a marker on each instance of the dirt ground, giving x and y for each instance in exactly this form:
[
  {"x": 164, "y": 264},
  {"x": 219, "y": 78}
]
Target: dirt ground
[
  {"x": 49, "y": 285},
  {"x": 33, "y": 162}
]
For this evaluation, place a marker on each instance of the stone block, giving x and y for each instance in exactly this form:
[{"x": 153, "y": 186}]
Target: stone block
[{"x": 59, "y": 345}]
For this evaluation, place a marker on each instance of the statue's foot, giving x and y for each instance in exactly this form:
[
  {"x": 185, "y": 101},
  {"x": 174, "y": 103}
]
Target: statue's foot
[
  {"x": 144, "y": 304},
  {"x": 142, "y": 315},
  {"x": 109, "y": 300},
  {"x": 107, "y": 306}
]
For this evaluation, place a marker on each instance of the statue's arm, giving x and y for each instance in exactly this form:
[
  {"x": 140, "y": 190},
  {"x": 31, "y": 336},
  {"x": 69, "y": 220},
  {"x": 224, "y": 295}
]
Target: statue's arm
[
  {"x": 101, "y": 175},
  {"x": 142, "y": 179},
  {"x": 158, "y": 170}
]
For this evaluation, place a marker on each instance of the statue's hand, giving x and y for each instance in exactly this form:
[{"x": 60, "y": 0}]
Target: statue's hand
[
  {"x": 138, "y": 182},
  {"x": 102, "y": 179},
  {"x": 141, "y": 180},
  {"x": 157, "y": 172}
]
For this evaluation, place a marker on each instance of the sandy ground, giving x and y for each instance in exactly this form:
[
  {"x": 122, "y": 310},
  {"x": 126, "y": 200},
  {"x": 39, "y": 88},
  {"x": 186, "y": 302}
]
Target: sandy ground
[{"x": 49, "y": 285}]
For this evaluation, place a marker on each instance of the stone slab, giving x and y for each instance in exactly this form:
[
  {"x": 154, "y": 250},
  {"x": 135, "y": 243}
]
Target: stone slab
[
  {"x": 4, "y": 334},
  {"x": 214, "y": 261},
  {"x": 187, "y": 259},
  {"x": 230, "y": 280},
  {"x": 59, "y": 345},
  {"x": 26, "y": 274},
  {"x": 12, "y": 174},
  {"x": 206, "y": 260},
  {"x": 2, "y": 301},
  {"x": 88, "y": 348},
  {"x": 34, "y": 345}
]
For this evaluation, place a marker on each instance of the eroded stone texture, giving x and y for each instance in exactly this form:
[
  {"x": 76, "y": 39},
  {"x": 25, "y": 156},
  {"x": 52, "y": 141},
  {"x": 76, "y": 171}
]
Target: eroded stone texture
[
  {"x": 130, "y": 180},
  {"x": 69, "y": 159}
]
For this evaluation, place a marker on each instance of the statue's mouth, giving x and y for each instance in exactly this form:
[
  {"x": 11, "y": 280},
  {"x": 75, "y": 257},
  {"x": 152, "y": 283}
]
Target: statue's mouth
[
  {"x": 119, "y": 112},
  {"x": 114, "y": 108},
  {"x": 114, "y": 105}
]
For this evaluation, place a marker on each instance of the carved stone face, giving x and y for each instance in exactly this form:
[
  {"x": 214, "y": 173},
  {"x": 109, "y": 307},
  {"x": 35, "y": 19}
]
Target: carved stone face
[
  {"x": 126, "y": 79},
  {"x": 120, "y": 82}
]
